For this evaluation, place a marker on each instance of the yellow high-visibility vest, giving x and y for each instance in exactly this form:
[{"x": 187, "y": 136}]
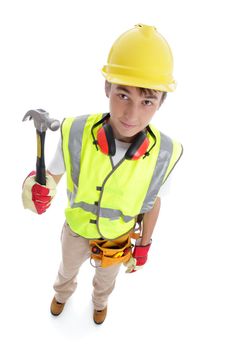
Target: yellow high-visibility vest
[{"x": 104, "y": 200}]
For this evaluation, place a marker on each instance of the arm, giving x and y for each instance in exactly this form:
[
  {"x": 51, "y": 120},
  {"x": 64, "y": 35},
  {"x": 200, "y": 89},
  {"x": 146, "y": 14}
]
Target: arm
[
  {"x": 141, "y": 249},
  {"x": 56, "y": 167},
  {"x": 149, "y": 222},
  {"x": 56, "y": 178}
]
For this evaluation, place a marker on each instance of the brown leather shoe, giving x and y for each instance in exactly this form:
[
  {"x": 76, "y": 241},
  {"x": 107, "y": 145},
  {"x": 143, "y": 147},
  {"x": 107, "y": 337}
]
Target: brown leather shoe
[
  {"x": 100, "y": 315},
  {"x": 56, "y": 308}
]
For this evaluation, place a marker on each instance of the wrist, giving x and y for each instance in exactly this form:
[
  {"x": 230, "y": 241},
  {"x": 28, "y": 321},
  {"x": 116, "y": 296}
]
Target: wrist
[{"x": 145, "y": 241}]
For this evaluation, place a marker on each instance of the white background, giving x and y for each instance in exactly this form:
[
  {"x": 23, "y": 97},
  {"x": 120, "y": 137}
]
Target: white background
[{"x": 51, "y": 56}]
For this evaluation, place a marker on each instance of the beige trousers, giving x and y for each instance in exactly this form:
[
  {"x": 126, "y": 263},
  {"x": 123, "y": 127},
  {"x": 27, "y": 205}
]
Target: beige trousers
[{"x": 76, "y": 250}]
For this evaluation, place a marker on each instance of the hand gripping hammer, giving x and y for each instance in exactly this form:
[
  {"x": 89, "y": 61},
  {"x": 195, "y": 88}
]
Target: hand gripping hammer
[{"x": 42, "y": 122}]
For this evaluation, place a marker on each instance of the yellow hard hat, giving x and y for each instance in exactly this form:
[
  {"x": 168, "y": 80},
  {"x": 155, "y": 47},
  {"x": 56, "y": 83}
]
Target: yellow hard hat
[{"x": 141, "y": 57}]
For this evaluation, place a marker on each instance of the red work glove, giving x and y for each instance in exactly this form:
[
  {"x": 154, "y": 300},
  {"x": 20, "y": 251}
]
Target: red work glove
[
  {"x": 139, "y": 257},
  {"x": 36, "y": 197}
]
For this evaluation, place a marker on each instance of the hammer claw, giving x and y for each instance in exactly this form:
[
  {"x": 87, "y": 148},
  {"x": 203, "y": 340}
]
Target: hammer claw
[{"x": 41, "y": 120}]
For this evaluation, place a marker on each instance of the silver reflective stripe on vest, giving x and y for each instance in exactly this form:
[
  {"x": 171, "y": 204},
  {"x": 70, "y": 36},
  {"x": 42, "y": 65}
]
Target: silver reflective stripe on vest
[
  {"x": 72, "y": 195},
  {"x": 111, "y": 214},
  {"x": 164, "y": 157},
  {"x": 75, "y": 145}
]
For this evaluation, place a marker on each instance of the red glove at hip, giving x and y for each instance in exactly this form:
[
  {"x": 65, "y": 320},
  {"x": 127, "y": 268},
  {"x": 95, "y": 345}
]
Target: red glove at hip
[
  {"x": 138, "y": 259},
  {"x": 36, "y": 197}
]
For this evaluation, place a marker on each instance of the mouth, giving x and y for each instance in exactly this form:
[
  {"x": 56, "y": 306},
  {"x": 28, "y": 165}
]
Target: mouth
[{"x": 127, "y": 126}]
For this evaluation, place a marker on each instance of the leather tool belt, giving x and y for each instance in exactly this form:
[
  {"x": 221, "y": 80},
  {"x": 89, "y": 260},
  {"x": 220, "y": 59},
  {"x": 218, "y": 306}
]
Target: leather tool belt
[
  {"x": 111, "y": 252},
  {"x": 115, "y": 251}
]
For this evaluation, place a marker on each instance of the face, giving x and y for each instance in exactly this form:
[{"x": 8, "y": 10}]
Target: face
[{"x": 131, "y": 111}]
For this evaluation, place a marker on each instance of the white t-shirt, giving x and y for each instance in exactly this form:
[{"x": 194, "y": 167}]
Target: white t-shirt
[{"x": 57, "y": 165}]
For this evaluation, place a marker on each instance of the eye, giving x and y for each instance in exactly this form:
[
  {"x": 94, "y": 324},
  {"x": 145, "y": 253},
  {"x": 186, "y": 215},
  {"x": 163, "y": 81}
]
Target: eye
[
  {"x": 123, "y": 97},
  {"x": 147, "y": 103}
]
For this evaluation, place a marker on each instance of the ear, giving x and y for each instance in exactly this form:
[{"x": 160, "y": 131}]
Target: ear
[
  {"x": 164, "y": 95},
  {"x": 107, "y": 88}
]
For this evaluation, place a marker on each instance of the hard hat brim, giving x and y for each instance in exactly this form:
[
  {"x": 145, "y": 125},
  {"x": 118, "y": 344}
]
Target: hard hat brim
[{"x": 137, "y": 81}]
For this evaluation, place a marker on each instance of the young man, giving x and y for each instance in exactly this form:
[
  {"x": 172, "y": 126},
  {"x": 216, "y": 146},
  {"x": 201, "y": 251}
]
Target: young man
[{"x": 115, "y": 164}]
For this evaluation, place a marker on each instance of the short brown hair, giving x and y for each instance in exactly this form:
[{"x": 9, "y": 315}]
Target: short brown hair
[{"x": 146, "y": 91}]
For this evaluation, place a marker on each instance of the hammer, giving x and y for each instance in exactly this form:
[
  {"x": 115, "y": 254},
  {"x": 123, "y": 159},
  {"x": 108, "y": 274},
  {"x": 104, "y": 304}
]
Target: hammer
[{"x": 42, "y": 122}]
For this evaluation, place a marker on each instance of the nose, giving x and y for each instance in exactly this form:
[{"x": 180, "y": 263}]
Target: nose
[{"x": 131, "y": 113}]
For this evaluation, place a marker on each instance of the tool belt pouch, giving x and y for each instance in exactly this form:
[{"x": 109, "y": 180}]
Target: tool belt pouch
[{"x": 111, "y": 252}]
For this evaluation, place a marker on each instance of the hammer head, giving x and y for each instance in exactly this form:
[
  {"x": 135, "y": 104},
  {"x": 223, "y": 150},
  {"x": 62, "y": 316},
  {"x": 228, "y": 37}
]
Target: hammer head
[{"x": 41, "y": 120}]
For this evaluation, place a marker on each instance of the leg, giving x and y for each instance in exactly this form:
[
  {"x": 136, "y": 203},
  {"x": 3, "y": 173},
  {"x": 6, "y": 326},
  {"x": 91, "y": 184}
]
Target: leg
[
  {"x": 75, "y": 250},
  {"x": 103, "y": 283}
]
